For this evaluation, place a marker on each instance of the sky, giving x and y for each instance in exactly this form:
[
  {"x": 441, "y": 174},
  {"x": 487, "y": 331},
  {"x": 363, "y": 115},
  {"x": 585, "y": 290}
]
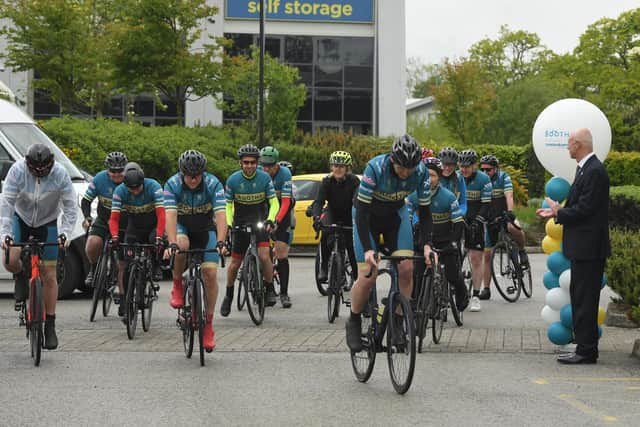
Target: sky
[{"x": 447, "y": 28}]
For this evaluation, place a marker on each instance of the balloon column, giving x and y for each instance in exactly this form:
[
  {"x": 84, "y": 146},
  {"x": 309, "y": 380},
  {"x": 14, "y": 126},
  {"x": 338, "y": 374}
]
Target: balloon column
[{"x": 550, "y": 137}]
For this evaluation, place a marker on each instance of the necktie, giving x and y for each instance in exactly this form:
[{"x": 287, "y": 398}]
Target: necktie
[{"x": 577, "y": 170}]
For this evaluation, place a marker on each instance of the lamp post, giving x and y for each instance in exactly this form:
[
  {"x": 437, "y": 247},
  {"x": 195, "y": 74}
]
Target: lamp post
[{"x": 261, "y": 79}]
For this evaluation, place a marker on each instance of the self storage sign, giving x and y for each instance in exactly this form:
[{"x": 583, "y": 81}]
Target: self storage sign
[{"x": 303, "y": 10}]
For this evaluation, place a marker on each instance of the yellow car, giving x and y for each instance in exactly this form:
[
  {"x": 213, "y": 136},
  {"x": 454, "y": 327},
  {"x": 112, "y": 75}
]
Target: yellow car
[{"x": 306, "y": 189}]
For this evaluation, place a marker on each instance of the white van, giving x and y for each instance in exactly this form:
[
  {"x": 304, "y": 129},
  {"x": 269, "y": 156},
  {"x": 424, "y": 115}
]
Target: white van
[{"x": 18, "y": 131}]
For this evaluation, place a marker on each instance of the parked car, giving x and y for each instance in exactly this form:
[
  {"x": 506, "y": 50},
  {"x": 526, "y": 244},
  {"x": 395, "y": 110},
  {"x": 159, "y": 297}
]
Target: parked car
[{"x": 306, "y": 189}]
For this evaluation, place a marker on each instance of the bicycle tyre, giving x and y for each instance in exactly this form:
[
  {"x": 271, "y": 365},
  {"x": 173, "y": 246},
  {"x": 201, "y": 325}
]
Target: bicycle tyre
[
  {"x": 333, "y": 290},
  {"x": 131, "y": 302},
  {"x": 99, "y": 278},
  {"x": 200, "y": 315},
  {"x": 147, "y": 304},
  {"x": 527, "y": 282},
  {"x": 276, "y": 277},
  {"x": 187, "y": 325},
  {"x": 242, "y": 293},
  {"x": 458, "y": 316},
  {"x": 422, "y": 310},
  {"x": 363, "y": 361},
  {"x": 255, "y": 290},
  {"x": 35, "y": 321},
  {"x": 466, "y": 271},
  {"x": 503, "y": 272},
  {"x": 401, "y": 375},
  {"x": 440, "y": 302},
  {"x": 322, "y": 287},
  {"x": 107, "y": 299}
]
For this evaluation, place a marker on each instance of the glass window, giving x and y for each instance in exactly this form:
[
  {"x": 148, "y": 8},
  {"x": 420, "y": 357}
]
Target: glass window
[
  {"x": 358, "y": 51},
  {"x": 327, "y": 105},
  {"x": 272, "y": 47},
  {"x": 306, "y": 73},
  {"x": 169, "y": 111},
  {"x": 358, "y": 128},
  {"x": 306, "y": 189},
  {"x": 305, "y": 112},
  {"x": 241, "y": 44},
  {"x": 43, "y": 106},
  {"x": 298, "y": 49},
  {"x": 114, "y": 108},
  {"x": 328, "y": 51},
  {"x": 328, "y": 75},
  {"x": 357, "y": 76},
  {"x": 143, "y": 106},
  {"x": 358, "y": 105}
]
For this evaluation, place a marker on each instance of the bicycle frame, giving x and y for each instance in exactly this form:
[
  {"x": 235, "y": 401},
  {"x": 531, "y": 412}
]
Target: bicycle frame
[{"x": 259, "y": 291}]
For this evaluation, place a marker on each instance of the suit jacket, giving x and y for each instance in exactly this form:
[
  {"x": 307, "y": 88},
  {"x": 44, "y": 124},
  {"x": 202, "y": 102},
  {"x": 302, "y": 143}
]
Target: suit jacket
[{"x": 585, "y": 214}]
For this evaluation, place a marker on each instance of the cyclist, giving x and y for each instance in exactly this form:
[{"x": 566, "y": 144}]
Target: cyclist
[
  {"x": 250, "y": 199},
  {"x": 478, "y": 204},
  {"x": 195, "y": 209},
  {"x": 286, "y": 164},
  {"x": 380, "y": 209},
  {"x": 142, "y": 199},
  {"x": 501, "y": 201},
  {"x": 32, "y": 193},
  {"x": 448, "y": 226},
  {"x": 452, "y": 179},
  {"x": 102, "y": 187},
  {"x": 281, "y": 179},
  {"x": 339, "y": 190}
]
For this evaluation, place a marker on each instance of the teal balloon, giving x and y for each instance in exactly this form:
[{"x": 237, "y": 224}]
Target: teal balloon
[
  {"x": 557, "y": 188},
  {"x": 599, "y": 331},
  {"x": 557, "y": 263},
  {"x": 559, "y": 334},
  {"x": 544, "y": 205},
  {"x": 550, "y": 280},
  {"x": 604, "y": 280},
  {"x": 566, "y": 317}
]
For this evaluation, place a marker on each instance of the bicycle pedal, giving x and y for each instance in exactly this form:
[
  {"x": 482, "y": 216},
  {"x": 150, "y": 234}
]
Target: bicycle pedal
[
  {"x": 347, "y": 303},
  {"x": 511, "y": 290},
  {"x": 18, "y": 306},
  {"x": 155, "y": 286}
]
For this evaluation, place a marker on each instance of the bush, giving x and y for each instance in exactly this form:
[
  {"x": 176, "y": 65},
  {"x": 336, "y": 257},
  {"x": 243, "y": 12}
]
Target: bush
[
  {"x": 624, "y": 207},
  {"x": 623, "y": 274},
  {"x": 623, "y": 168}
]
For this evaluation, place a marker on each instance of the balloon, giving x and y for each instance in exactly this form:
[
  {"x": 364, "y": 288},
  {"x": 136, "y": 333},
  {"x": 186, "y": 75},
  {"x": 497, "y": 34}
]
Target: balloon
[
  {"x": 549, "y": 315},
  {"x": 559, "y": 334},
  {"x": 550, "y": 245},
  {"x": 550, "y": 280},
  {"x": 544, "y": 204},
  {"x": 604, "y": 280},
  {"x": 551, "y": 134},
  {"x": 566, "y": 316},
  {"x": 557, "y": 188},
  {"x": 565, "y": 280},
  {"x": 602, "y": 315},
  {"x": 557, "y": 263},
  {"x": 553, "y": 230},
  {"x": 557, "y": 298}
]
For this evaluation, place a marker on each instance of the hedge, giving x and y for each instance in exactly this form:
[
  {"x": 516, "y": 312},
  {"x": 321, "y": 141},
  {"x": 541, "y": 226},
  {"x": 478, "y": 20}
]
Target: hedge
[
  {"x": 624, "y": 207},
  {"x": 623, "y": 274}
]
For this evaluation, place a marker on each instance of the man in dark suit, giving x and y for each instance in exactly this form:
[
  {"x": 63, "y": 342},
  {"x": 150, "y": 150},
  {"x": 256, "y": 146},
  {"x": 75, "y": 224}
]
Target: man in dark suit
[{"x": 585, "y": 242}]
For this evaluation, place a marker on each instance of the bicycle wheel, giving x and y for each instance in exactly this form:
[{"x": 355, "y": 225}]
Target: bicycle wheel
[
  {"x": 505, "y": 273},
  {"x": 35, "y": 320},
  {"x": 112, "y": 280},
  {"x": 421, "y": 314},
  {"x": 186, "y": 324},
  {"x": 333, "y": 291},
  {"x": 466, "y": 271},
  {"x": 439, "y": 305},
  {"x": 276, "y": 277},
  {"x": 147, "y": 297},
  {"x": 199, "y": 314},
  {"x": 401, "y": 344},
  {"x": 99, "y": 283},
  {"x": 364, "y": 361},
  {"x": 458, "y": 316},
  {"x": 322, "y": 287},
  {"x": 131, "y": 302},
  {"x": 242, "y": 292},
  {"x": 527, "y": 283},
  {"x": 255, "y": 289}
]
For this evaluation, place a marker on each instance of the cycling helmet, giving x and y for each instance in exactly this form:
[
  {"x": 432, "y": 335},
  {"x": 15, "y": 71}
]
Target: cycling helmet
[
  {"x": 286, "y": 164},
  {"x": 116, "y": 160},
  {"x": 269, "y": 156},
  {"x": 433, "y": 163},
  {"x": 468, "y": 157},
  {"x": 426, "y": 152},
  {"x": 249, "y": 150},
  {"x": 192, "y": 163},
  {"x": 39, "y": 160},
  {"x": 490, "y": 160},
  {"x": 405, "y": 152},
  {"x": 133, "y": 175},
  {"x": 340, "y": 158},
  {"x": 448, "y": 155}
]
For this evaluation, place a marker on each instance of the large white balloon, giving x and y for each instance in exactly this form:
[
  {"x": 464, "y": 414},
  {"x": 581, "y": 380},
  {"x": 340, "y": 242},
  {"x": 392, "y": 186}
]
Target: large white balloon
[
  {"x": 551, "y": 134},
  {"x": 565, "y": 279},
  {"x": 557, "y": 298},
  {"x": 549, "y": 315}
]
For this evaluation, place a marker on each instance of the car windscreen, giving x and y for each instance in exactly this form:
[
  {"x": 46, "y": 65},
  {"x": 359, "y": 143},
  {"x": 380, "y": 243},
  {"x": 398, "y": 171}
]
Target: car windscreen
[
  {"x": 23, "y": 135},
  {"x": 306, "y": 189}
]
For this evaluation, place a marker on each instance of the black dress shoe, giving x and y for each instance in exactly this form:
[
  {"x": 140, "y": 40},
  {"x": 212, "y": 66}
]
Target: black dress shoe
[{"x": 577, "y": 359}]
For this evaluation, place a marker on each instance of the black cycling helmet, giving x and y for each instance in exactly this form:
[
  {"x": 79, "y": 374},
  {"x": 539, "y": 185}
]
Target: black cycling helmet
[
  {"x": 133, "y": 175},
  {"x": 468, "y": 157},
  {"x": 405, "y": 152},
  {"x": 116, "y": 160},
  {"x": 448, "y": 155},
  {"x": 192, "y": 163},
  {"x": 433, "y": 163},
  {"x": 39, "y": 160},
  {"x": 249, "y": 150},
  {"x": 490, "y": 160},
  {"x": 286, "y": 164}
]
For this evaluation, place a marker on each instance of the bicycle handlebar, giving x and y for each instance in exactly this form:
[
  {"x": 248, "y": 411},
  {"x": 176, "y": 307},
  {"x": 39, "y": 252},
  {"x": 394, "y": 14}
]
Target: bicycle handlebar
[
  {"x": 193, "y": 251},
  {"x": 395, "y": 258},
  {"x": 332, "y": 227},
  {"x": 30, "y": 243}
]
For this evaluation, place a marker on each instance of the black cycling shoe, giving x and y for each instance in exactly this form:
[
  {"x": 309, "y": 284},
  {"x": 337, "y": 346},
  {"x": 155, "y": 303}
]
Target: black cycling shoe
[
  {"x": 463, "y": 303},
  {"x": 50, "y": 337},
  {"x": 353, "y": 327},
  {"x": 285, "y": 301},
  {"x": 485, "y": 294},
  {"x": 270, "y": 297},
  {"x": 122, "y": 308},
  {"x": 225, "y": 308},
  {"x": 524, "y": 259},
  {"x": 157, "y": 274}
]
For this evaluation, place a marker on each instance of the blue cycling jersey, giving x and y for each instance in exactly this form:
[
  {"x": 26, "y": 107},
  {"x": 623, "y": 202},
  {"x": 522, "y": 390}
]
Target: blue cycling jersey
[
  {"x": 282, "y": 182},
  {"x": 195, "y": 208},
  {"x": 445, "y": 211},
  {"x": 455, "y": 184},
  {"x": 250, "y": 196},
  {"x": 501, "y": 184},
  {"x": 101, "y": 187},
  {"x": 478, "y": 194},
  {"x": 140, "y": 208}
]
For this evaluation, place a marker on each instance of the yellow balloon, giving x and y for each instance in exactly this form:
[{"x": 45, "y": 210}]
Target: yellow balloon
[
  {"x": 601, "y": 315},
  {"x": 553, "y": 230},
  {"x": 550, "y": 245}
]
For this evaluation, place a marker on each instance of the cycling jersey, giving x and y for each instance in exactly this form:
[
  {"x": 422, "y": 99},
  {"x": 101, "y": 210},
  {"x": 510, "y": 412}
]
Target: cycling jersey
[
  {"x": 250, "y": 199},
  {"x": 339, "y": 195},
  {"x": 282, "y": 184},
  {"x": 501, "y": 184},
  {"x": 445, "y": 212},
  {"x": 478, "y": 195},
  {"x": 455, "y": 184},
  {"x": 196, "y": 208},
  {"x": 101, "y": 187},
  {"x": 144, "y": 211}
]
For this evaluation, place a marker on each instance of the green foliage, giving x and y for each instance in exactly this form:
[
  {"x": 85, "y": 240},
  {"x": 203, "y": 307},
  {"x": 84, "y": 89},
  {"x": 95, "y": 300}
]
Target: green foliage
[
  {"x": 624, "y": 207},
  {"x": 623, "y": 275},
  {"x": 623, "y": 168}
]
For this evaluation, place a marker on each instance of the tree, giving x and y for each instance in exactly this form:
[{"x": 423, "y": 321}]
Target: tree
[
  {"x": 421, "y": 78},
  {"x": 154, "y": 50}
]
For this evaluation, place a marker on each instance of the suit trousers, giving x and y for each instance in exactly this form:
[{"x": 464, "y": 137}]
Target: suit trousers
[{"x": 586, "y": 284}]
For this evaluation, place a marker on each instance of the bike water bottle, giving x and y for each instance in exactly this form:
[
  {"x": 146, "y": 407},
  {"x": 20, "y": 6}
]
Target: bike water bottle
[{"x": 381, "y": 310}]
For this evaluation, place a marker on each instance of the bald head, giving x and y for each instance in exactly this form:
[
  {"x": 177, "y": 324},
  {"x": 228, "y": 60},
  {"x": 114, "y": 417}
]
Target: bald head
[
  {"x": 580, "y": 143},
  {"x": 584, "y": 136}
]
